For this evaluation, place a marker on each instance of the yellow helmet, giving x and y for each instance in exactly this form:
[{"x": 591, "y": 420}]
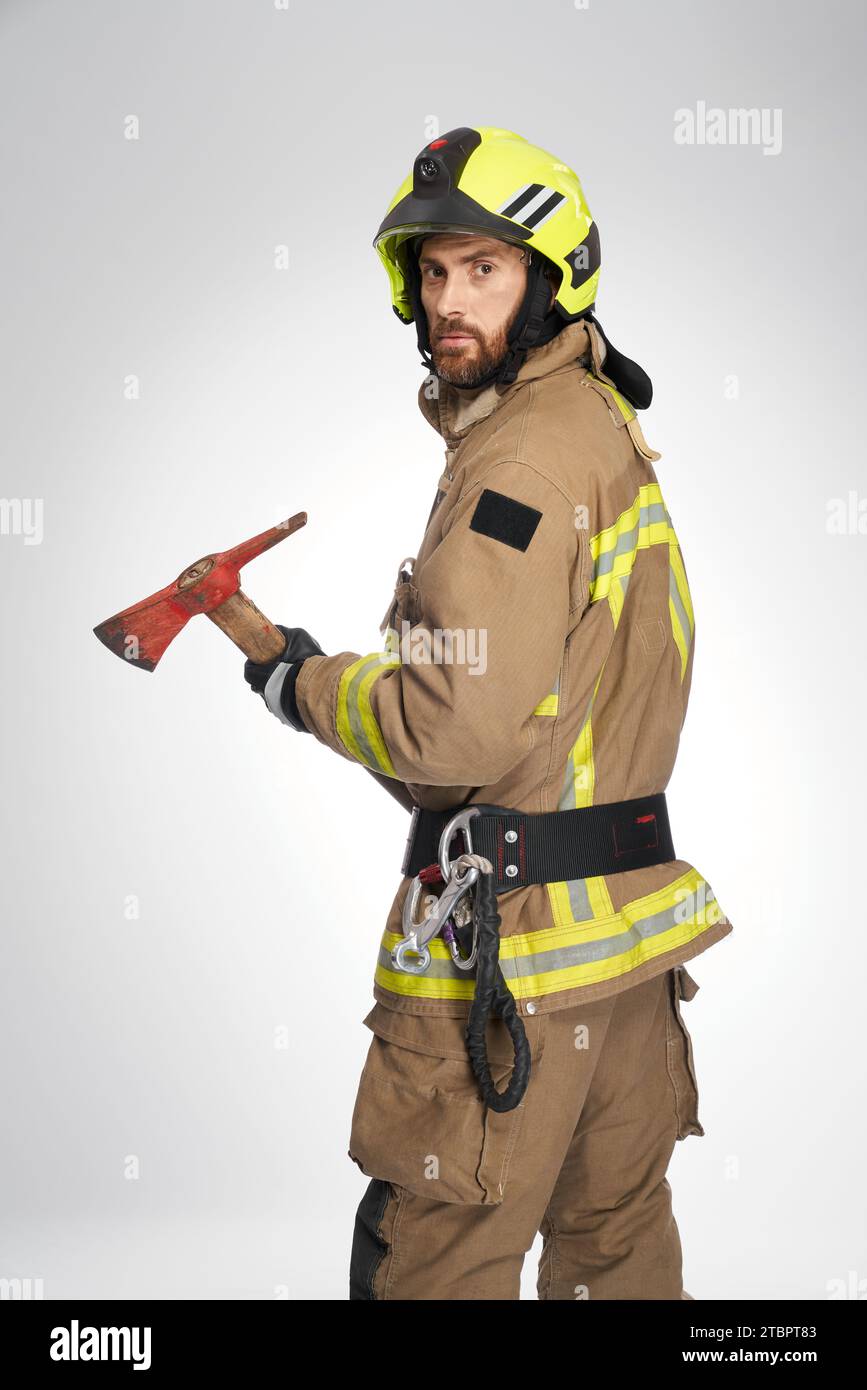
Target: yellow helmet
[
  {"x": 483, "y": 180},
  {"x": 487, "y": 180}
]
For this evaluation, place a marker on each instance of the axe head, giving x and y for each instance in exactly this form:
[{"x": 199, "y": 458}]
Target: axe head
[{"x": 141, "y": 633}]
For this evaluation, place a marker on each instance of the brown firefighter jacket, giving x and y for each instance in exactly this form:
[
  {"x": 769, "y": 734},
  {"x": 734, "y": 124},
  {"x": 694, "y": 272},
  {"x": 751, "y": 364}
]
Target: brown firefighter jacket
[{"x": 539, "y": 656}]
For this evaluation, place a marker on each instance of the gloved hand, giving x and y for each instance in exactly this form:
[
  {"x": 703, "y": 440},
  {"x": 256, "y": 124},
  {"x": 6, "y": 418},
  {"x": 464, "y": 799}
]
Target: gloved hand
[{"x": 275, "y": 680}]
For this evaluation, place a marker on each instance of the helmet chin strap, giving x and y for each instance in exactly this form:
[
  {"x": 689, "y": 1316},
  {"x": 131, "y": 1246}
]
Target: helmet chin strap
[{"x": 535, "y": 323}]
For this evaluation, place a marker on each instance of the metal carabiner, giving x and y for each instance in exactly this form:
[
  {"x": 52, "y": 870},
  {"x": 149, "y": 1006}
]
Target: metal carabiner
[
  {"x": 451, "y": 940},
  {"x": 416, "y": 935},
  {"x": 460, "y": 821}
]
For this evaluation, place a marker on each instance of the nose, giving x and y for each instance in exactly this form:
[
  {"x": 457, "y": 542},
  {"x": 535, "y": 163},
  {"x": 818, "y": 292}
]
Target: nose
[{"x": 452, "y": 299}]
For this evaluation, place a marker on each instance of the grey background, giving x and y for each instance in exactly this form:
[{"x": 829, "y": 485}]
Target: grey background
[{"x": 267, "y": 392}]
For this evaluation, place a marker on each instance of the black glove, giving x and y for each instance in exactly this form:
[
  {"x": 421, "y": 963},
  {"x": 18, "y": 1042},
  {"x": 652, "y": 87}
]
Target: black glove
[{"x": 275, "y": 680}]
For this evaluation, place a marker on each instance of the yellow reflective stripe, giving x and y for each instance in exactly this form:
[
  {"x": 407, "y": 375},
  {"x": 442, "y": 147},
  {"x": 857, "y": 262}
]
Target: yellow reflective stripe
[
  {"x": 679, "y": 640},
  {"x": 551, "y": 702},
  {"x": 548, "y": 705},
  {"x": 616, "y": 596},
  {"x": 680, "y": 604},
  {"x": 621, "y": 402},
  {"x": 355, "y": 722},
  {"x": 600, "y": 898},
  {"x": 671, "y": 896},
  {"x": 584, "y": 771},
  {"x": 680, "y": 579},
  {"x": 566, "y": 956},
  {"x": 594, "y": 892},
  {"x": 579, "y": 778},
  {"x": 579, "y": 792},
  {"x": 422, "y": 986},
  {"x": 558, "y": 896},
  {"x": 644, "y": 523}
]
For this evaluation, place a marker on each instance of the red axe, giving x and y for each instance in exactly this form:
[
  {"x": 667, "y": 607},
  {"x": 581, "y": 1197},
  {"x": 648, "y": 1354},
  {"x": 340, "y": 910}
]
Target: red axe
[{"x": 141, "y": 633}]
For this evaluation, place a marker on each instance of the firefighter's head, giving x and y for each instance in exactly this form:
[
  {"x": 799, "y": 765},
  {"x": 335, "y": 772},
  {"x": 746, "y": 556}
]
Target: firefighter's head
[
  {"x": 472, "y": 288},
  {"x": 488, "y": 190}
]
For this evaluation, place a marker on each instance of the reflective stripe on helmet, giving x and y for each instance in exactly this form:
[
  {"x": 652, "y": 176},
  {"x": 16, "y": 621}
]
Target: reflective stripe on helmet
[{"x": 486, "y": 180}]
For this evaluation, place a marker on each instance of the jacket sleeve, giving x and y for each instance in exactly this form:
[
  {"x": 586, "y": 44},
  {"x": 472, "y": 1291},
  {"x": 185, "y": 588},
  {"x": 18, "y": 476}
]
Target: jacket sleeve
[{"x": 498, "y": 597}]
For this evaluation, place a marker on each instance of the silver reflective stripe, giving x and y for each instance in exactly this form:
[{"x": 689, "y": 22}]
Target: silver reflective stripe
[
  {"x": 628, "y": 540},
  {"x": 564, "y": 957},
  {"x": 679, "y": 608},
  {"x": 514, "y": 199},
  {"x": 567, "y": 791},
  {"x": 440, "y": 968},
  {"x": 353, "y": 711},
  {"x": 273, "y": 690},
  {"x": 530, "y": 199},
  {"x": 567, "y": 801},
  {"x": 579, "y": 899},
  {"x": 621, "y": 944}
]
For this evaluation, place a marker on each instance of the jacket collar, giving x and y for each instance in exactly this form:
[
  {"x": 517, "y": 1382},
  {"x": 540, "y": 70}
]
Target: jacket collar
[{"x": 453, "y": 410}]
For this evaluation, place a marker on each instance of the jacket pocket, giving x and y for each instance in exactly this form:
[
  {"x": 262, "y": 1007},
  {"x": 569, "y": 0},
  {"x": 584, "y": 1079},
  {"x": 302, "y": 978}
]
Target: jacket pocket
[
  {"x": 419, "y": 1120},
  {"x": 680, "y": 1058}
]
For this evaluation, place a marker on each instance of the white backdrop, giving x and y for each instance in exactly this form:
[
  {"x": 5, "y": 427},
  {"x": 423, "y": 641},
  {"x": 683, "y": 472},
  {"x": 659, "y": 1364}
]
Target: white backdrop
[{"x": 179, "y": 877}]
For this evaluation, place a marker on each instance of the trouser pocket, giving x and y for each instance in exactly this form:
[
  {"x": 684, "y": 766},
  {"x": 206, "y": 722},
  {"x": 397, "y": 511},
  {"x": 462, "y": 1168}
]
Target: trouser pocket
[
  {"x": 419, "y": 1120},
  {"x": 679, "y": 1053}
]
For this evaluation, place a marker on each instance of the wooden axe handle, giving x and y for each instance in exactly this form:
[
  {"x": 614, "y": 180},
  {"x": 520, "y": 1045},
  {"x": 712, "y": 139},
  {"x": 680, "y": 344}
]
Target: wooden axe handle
[
  {"x": 249, "y": 629},
  {"x": 261, "y": 641}
]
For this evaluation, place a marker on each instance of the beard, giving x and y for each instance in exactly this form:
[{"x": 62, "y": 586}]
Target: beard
[{"x": 467, "y": 364}]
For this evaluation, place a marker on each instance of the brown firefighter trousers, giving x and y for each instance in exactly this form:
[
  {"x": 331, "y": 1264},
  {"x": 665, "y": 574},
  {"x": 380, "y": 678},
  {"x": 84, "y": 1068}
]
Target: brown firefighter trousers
[{"x": 458, "y": 1192}]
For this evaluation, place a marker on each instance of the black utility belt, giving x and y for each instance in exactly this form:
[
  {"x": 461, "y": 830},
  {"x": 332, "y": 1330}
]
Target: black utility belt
[{"x": 549, "y": 847}]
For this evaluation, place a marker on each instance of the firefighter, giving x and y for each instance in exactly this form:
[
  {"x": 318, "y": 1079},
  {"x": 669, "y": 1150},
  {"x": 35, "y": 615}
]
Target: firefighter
[{"x": 526, "y": 701}]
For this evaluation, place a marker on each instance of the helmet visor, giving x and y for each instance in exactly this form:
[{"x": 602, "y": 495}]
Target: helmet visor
[
  {"x": 408, "y": 229},
  {"x": 396, "y": 243}
]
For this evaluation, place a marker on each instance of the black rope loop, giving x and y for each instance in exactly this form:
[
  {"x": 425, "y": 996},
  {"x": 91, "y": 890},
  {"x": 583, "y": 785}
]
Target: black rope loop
[{"x": 494, "y": 998}]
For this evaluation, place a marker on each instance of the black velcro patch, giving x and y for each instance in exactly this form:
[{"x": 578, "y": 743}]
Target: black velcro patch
[{"x": 506, "y": 520}]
